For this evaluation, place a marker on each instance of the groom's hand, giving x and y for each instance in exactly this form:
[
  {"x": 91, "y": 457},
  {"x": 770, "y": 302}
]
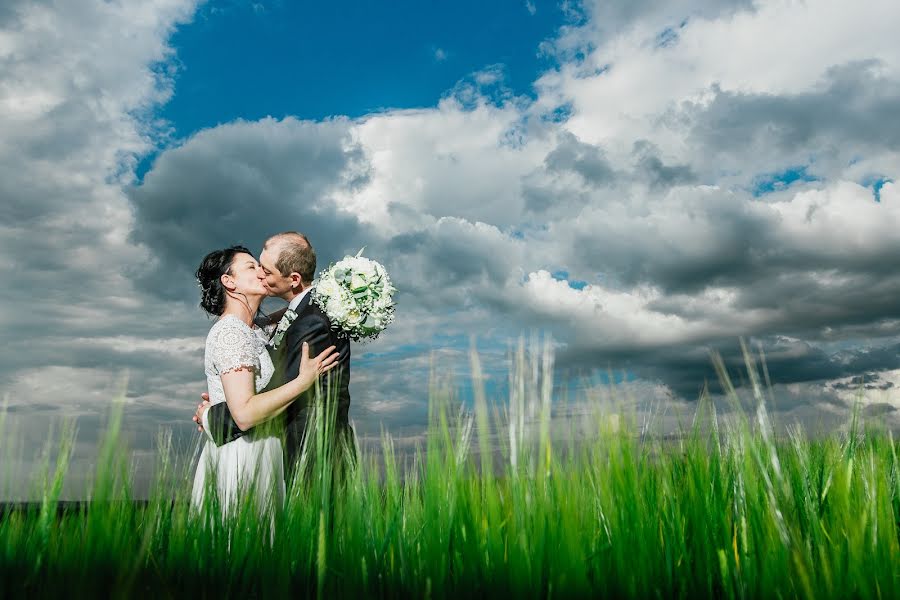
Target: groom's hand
[{"x": 201, "y": 408}]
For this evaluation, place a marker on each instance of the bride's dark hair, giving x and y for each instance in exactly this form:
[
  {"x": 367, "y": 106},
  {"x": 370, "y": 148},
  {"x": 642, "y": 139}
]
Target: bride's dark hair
[{"x": 209, "y": 278}]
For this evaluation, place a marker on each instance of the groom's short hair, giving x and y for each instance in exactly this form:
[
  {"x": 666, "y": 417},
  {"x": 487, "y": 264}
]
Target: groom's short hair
[{"x": 295, "y": 254}]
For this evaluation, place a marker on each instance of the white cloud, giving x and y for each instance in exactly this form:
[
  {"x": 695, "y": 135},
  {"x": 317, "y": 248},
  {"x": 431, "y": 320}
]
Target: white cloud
[
  {"x": 470, "y": 197},
  {"x": 476, "y": 201},
  {"x": 752, "y": 51},
  {"x": 876, "y": 395},
  {"x": 609, "y": 316},
  {"x": 446, "y": 161},
  {"x": 633, "y": 171},
  {"x": 78, "y": 88},
  {"x": 78, "y": 80}
]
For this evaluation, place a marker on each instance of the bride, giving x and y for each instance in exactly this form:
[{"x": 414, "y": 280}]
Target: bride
[{"x": 238, "y": 368}]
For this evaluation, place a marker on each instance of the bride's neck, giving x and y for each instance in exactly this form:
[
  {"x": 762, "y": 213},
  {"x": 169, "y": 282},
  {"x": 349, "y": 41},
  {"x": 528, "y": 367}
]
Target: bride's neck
[{"x": 245, "y": 311}]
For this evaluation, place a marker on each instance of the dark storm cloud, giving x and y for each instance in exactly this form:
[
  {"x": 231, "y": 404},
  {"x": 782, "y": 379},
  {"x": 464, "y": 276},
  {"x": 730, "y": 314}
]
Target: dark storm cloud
[
  {"x": 867, "y": 381},
  {"x": 657, "y": 174},
  {"x": 638, "y": 249},
  {"x": 879, "y": 409},
  {"x": 689, "y": 240},
  {"x": 452, "y": 262},
  {"x": 240, "y": 183},
  {"x": 815, "y": 305},
  {"x": 587, "y": 160},
  {"x": 571, "y": 156},
  {"x": 9, "y": 12},
  {"x": 854, "y": 107},
  {"x": 687, "y": 369}
]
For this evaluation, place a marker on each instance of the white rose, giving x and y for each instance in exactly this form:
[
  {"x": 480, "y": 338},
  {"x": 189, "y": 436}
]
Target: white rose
[
  {"x": 336, "y": 308},
  {"x": 329, "y": 288},
  {"x": 369, "y": 270},
  {"x": 357, "y": 282},
  {"x": 353, "y": 317},
  {"x": 373, "y": 322}
]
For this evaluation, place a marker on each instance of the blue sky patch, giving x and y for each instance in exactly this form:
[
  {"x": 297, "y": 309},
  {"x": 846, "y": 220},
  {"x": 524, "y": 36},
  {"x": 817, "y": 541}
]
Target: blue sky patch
[
  {"x": 315, "y": 60},
  {"x": 560, "y": 114},
  {"x": 575, "y": 284},
  {"x": 775, "y": 182},
  {"x": 876, "y": 182},
  {"x": 350, "y": 58}
]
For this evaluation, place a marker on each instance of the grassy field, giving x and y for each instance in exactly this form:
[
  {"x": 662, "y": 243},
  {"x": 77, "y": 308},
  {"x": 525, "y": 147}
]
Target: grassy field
[{"x": 723, "y": 511}]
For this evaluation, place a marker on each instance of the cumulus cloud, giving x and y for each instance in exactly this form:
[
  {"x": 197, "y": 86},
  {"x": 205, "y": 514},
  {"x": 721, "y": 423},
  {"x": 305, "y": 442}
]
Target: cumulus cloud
[
  {"x": 72, "y": 132},
  {"x": 644, "y": 195},
  {"x": 685, "y": 175},
  {"x": 240, "y": 183},
  {"x": 852, "y": 110},
  {"x": 78, "y": 89}
]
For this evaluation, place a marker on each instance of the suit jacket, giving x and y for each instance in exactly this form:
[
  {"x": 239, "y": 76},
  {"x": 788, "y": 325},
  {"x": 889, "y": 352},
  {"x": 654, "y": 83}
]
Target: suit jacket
[{"x": 312, "y": 326}]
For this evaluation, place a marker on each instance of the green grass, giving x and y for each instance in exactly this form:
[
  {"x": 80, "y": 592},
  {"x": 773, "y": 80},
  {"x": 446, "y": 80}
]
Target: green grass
[{"x": 726, "y": 510}]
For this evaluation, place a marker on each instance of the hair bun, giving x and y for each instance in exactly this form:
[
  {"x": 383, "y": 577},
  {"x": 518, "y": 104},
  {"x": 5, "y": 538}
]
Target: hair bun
[{"x": 209, "y": 278}]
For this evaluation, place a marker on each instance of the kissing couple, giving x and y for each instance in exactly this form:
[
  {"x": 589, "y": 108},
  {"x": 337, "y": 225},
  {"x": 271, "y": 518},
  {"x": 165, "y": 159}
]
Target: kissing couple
[{"x": 262, "y": 371}]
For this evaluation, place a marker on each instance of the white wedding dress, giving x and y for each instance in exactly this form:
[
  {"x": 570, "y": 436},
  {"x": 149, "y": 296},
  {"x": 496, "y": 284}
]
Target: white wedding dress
[{"x": 256, "y": 457}]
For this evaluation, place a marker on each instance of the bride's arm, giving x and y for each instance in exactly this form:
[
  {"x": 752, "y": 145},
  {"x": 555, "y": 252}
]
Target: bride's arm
[{"x": 249, "y": 409}]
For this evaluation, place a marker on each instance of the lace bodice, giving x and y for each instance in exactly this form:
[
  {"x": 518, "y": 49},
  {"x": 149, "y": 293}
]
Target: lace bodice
[{"x": 231, "y": 345}]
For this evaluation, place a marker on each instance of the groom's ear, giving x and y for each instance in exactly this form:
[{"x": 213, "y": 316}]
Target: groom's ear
[{"x": 296, "y": 280}]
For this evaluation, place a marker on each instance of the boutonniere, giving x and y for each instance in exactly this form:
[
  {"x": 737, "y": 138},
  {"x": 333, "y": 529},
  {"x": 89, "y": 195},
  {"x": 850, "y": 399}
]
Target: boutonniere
[{"x": 283, "y": 325}]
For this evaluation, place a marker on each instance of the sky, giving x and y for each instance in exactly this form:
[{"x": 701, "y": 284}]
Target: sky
[{"x": 644, "y": 182}]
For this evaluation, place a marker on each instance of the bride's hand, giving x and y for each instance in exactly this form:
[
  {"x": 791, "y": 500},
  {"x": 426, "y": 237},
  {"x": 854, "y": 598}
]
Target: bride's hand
[{"x": 311, "y": 368}]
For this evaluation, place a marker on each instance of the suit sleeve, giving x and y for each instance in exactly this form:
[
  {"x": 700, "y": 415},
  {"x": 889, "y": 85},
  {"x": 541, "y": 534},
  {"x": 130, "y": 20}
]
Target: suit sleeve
[
  {"x": 313, "y": 330},
  {"x": 220, "y": 425}
]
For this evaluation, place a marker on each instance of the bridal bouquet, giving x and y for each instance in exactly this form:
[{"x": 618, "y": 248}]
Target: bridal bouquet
[{"x": 357, "y": 296}]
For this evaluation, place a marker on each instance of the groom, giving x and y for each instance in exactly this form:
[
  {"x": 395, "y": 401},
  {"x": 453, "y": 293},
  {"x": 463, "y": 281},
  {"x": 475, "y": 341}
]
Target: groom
[{"x": 287, "y": 266}]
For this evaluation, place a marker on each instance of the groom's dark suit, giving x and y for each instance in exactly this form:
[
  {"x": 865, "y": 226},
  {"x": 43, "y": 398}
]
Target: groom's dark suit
[{"x": 312, "y": 326}]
